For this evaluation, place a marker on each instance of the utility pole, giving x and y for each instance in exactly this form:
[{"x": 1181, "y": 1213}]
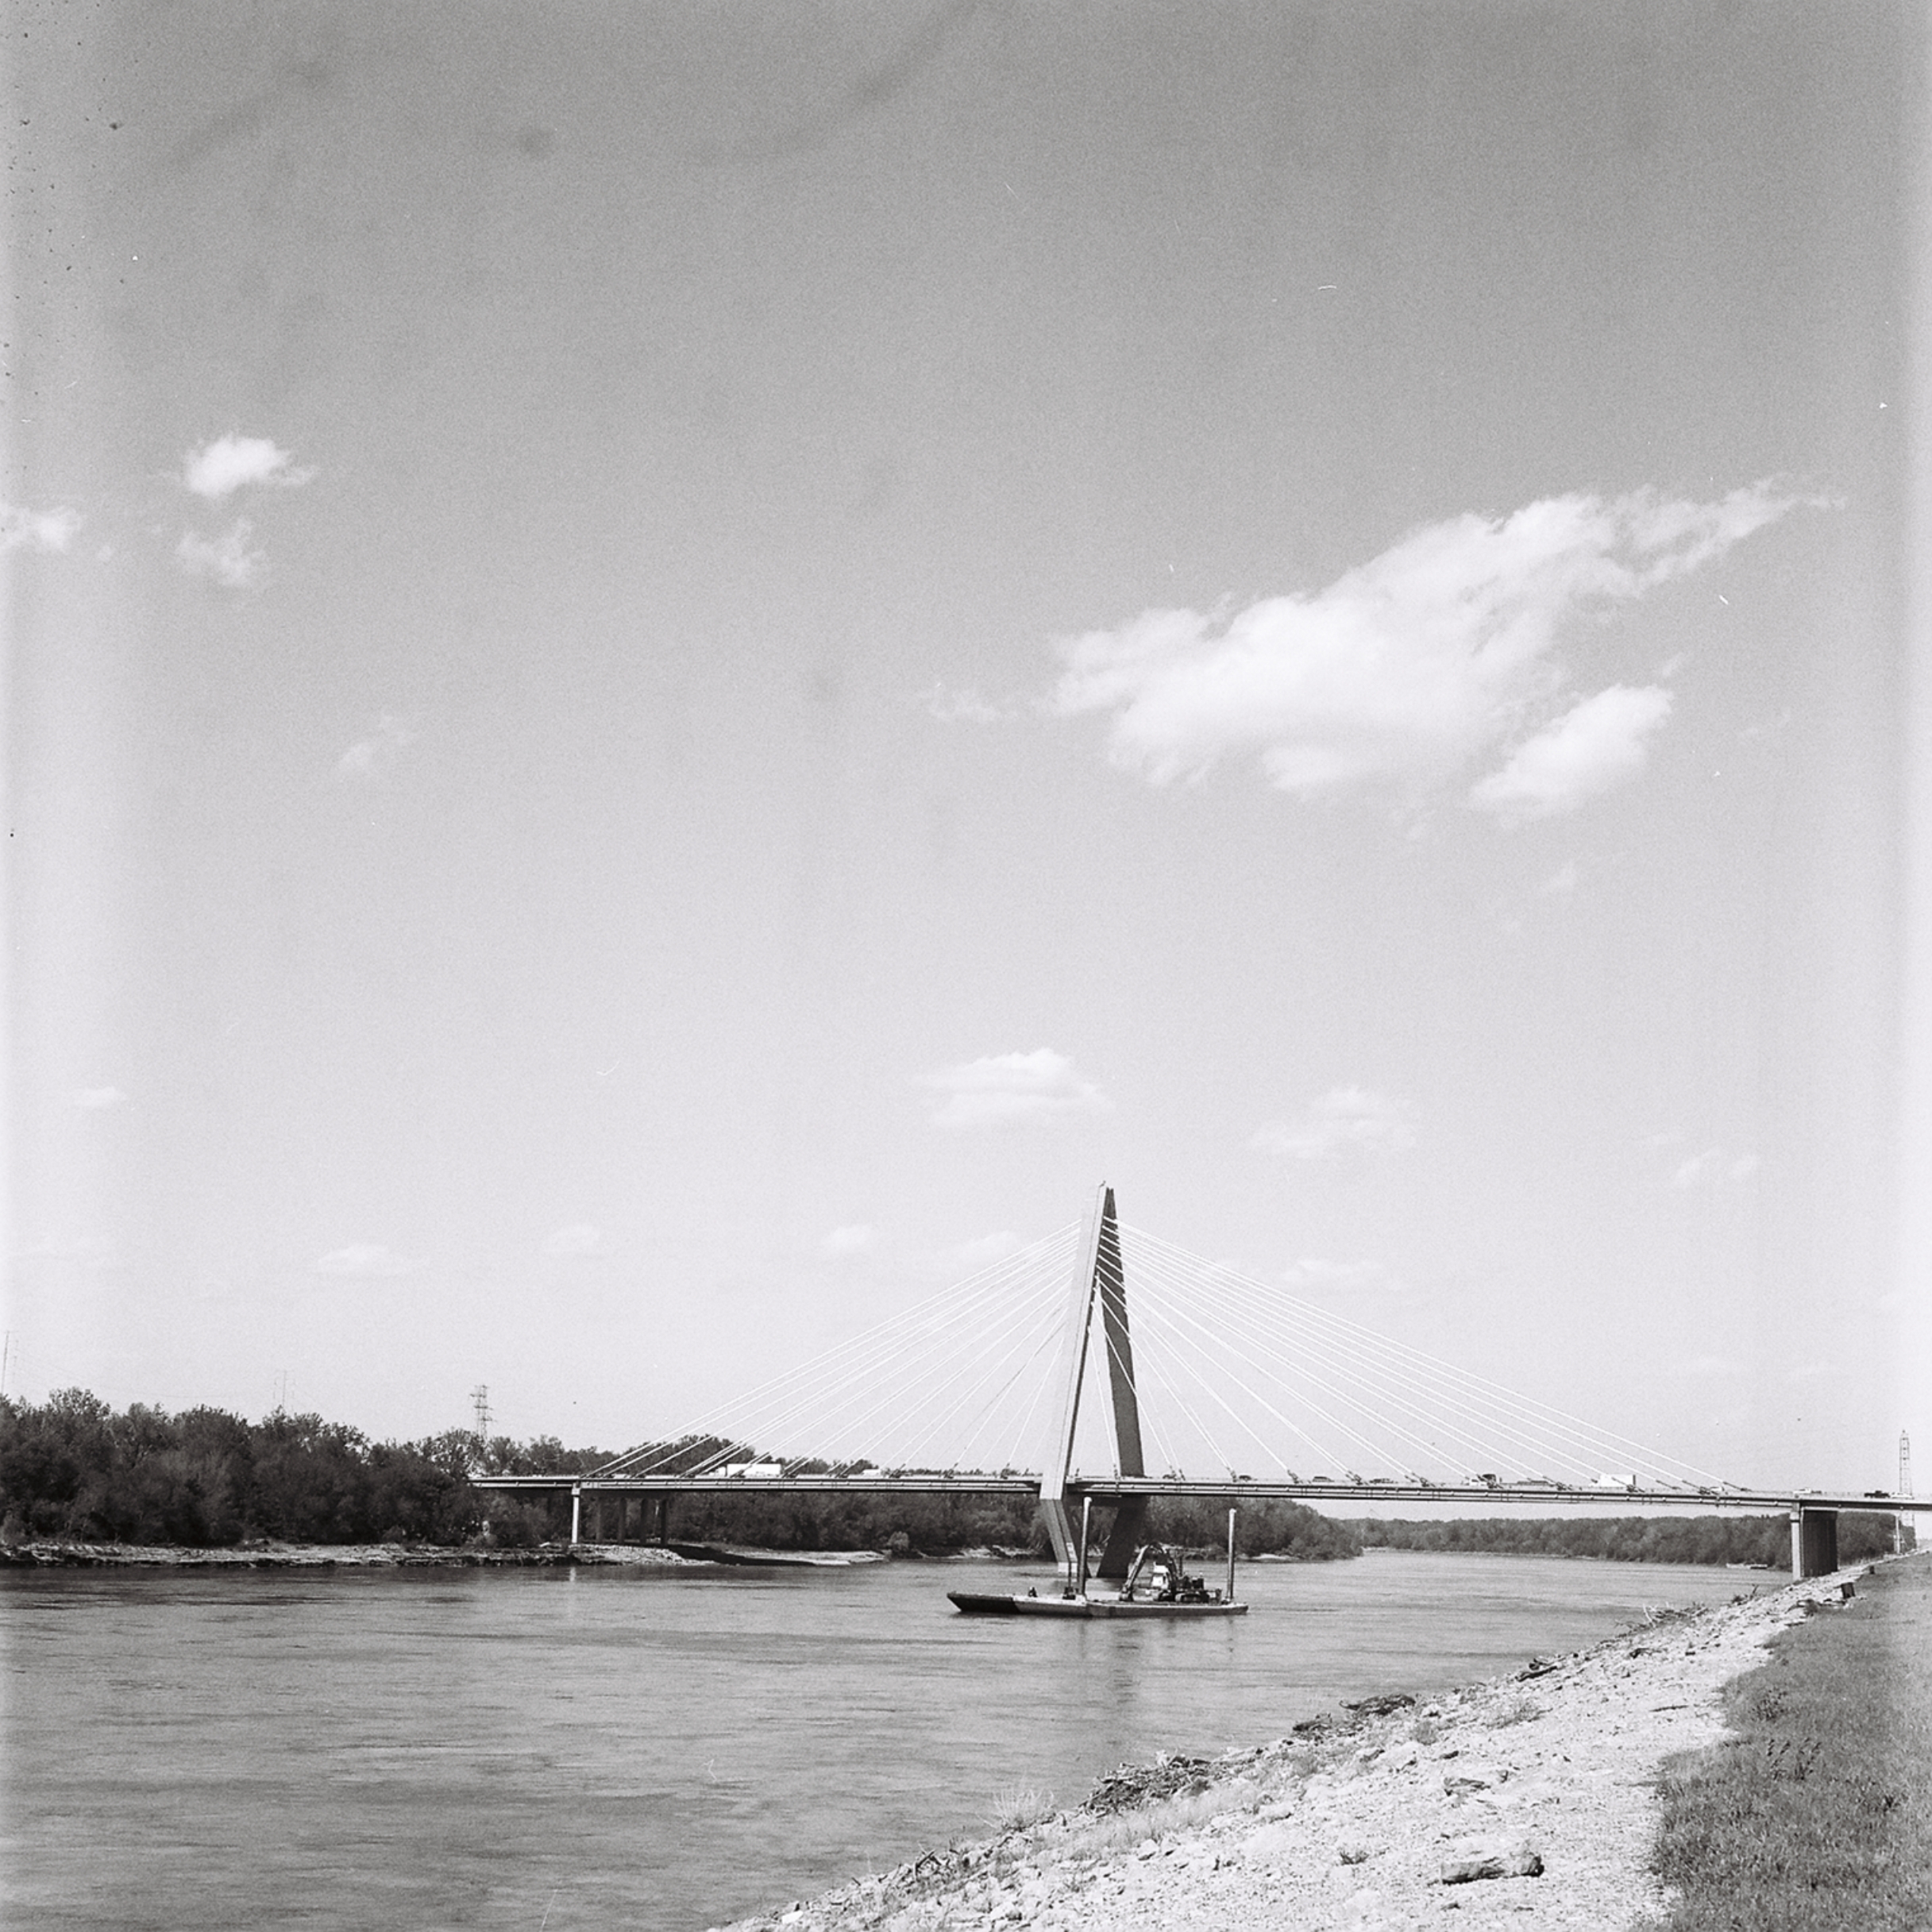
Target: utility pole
[
  {"x": 480, "y": 1399},
  {"x": 1905, "y": 1489}
]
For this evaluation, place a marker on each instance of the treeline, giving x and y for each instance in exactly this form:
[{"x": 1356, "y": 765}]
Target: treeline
[
  {"x": 1633, "y": 1539},
  {"x": 72, "y": 1466}
]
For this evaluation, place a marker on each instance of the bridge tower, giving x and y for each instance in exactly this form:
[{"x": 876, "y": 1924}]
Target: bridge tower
[{"x": 1098, "y": 1279}]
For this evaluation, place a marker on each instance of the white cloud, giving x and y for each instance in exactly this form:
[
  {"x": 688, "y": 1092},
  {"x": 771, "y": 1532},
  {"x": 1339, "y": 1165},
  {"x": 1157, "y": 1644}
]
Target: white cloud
[
  {"x": 842, "y": 1244},
  {"x": 1407, "y": 669},
  {"x": 37, "y": 530},
  {"x": 576, "y": 1239},
  {"x": 1700, "y": 1366},
  {"x": 1595, "y": 746},
  {"x": 219, "y": 468},
  {"x": 362, "y": 758},
  {"x": 1562, "y": 882},
  {"x": 968, "y": 1258},
  {"x": 1714, "y": 1165},
  {"x": 228, "y": 559},
  {"x": 367, "y": 1261},
  {"x": 1343, "y": 1120},
  {"x": 1311, "y": 1272},
  {"x": 1040, "y": 1086},
  {"x": 96, "y": 1099},
  {"x": 86, "y": 1250},
  {"x": 1698, "y": 1168},
  {"x": 966, "y": 706}
]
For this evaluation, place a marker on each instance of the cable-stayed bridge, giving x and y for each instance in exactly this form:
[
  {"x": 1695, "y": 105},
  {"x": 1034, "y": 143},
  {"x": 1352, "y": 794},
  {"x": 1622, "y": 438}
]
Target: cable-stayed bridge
[{"x": 1102, "y": 1366}]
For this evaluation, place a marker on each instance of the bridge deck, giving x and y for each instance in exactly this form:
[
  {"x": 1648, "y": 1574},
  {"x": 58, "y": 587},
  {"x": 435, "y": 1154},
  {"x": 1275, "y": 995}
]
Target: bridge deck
[{"x": 1114, "y": 1489}]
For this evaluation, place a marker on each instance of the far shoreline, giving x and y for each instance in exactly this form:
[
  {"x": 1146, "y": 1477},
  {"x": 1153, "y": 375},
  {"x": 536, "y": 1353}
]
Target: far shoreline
[
  {"x": 49, "y": 1554},
  {"x": 52, "y": 1554}
]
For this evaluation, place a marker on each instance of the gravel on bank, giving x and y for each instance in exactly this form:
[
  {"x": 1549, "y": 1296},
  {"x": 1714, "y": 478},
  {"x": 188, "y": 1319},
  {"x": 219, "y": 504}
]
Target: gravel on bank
[
  {"x": 1527, "y": 1801},
  {"x": 51, "y": 1555}
]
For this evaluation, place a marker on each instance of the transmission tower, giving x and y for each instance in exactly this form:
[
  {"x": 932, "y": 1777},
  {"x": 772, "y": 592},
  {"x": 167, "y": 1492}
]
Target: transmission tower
[
  {"x": 1905, "y": 1463},
  {"x": 480, "y": 1399}
]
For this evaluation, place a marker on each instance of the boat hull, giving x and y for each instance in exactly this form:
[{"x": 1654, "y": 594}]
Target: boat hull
[{"x": 973, "y": 1603}]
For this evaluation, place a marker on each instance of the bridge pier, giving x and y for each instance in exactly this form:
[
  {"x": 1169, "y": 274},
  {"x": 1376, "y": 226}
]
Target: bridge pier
[
  {"x": 576, "y": 1514},
  {"x": 1814, "y": 1543},
  {"x": 1124, "y": 1537}
]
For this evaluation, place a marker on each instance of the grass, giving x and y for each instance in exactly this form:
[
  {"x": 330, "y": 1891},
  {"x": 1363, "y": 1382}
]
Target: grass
[
  {"x": 1816, "y": 1813},
  {"x": 1019, "y": 1810}
]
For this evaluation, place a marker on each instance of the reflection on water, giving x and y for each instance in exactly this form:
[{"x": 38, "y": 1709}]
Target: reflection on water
[{"x": 661, "y": 1750}]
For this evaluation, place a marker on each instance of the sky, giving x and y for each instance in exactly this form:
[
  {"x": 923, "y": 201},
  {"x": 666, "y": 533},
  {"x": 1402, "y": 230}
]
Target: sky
[{"x": 673, "y": 670}]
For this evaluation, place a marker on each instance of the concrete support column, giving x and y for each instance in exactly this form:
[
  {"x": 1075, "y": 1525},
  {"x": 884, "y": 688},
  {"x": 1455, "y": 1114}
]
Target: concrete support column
[
  {"x": 1814, "y": 1543},
  {"x": 577, "y": 1513}
]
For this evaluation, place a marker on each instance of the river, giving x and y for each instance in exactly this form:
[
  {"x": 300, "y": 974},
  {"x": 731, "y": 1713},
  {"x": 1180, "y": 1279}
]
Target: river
[{"x": 548, "y": 1750}]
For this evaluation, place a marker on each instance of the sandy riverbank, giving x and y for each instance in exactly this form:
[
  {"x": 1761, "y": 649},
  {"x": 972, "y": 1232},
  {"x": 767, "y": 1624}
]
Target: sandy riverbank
[{"x": 1373, "y": 1817}]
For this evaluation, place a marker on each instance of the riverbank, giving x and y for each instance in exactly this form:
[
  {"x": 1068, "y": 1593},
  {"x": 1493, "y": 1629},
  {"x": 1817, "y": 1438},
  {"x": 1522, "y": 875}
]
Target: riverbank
[
  {"x": 1530, "y": 1799},
  {"x": 49, "y": 1554}
]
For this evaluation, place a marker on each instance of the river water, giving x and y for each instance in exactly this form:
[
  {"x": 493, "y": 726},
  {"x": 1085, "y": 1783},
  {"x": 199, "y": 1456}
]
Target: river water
[{"x": 548, "y": 1750}]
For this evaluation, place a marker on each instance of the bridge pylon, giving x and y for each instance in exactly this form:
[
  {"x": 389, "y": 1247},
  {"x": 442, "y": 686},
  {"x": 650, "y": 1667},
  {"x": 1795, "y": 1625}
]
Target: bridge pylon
[{"x": 1098, "y": 1279}]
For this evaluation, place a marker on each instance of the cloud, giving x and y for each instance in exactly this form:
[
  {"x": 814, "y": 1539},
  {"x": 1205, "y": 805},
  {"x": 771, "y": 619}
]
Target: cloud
[
  {"x": 228, "y": 559},
  {"x": 968, "y": 1258},
  {"x": 86, "y": 1250},
  {"x": 951, "y": 707},
  {"x": 363, "y": 757},
  {"x": 1562, "y": 882},
  {"x": 842, "y": 1244},
  {"x": 1407, "y": 669},
  {"x": 1592, "y": 748},
  {"x": 366, "y": 1261},
  {"x": 1699, "y": 1168},
  {"x": 229, "y": 463},
  {"x": 98, "y": 1099},
  {"x": 1700, "y": 1366},
  {"x": 1040, "y": 1086},
  {"x": 1335, "y": 1277},
  {"x": 37, "y": 530},
  {"x": 575, "y": 1240},
  {"x": 1714, "y": 1165},
  {"x": 1344, "y": 1118}
]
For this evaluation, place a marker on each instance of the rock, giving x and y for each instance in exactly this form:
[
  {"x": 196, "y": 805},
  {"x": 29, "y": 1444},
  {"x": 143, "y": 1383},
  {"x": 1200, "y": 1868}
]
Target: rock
[
  {"x": 1480, "y": 1858},
  {"x": 1355, "y": 1854},
  {"x": 1380, "y": 1706},
  {"x": 1268, "y": 1845},
  {"x": 1471, "y": 1777}
]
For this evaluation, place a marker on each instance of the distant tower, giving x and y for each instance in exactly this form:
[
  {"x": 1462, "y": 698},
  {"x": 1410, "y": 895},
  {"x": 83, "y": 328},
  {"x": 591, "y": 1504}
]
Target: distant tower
[
  {"x": 1905, "y": 1463},
  {"x": 479, "y": 1397}
]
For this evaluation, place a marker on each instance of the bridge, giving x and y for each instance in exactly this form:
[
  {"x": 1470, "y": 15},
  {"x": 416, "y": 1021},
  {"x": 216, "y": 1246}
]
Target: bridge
[{"x": 1246, "y": 1393}]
